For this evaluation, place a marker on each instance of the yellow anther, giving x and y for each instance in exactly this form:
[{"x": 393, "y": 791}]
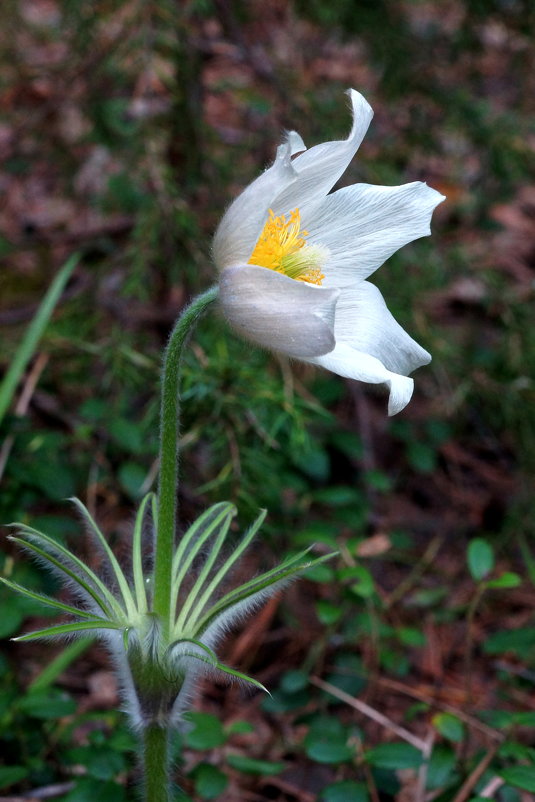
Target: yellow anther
[{"x": 281, "y": 247}]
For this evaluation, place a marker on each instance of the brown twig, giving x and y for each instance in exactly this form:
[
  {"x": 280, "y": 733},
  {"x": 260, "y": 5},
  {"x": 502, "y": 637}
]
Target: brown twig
[
  {"x": 473, "y": 778},
  {"x": 46, "y": 792},
  {"x": 433, "y": 702},
  {"x": 370, "y": 712},
  {"x": 420, "y": 793},
  {"x": 491, "y": 787}
]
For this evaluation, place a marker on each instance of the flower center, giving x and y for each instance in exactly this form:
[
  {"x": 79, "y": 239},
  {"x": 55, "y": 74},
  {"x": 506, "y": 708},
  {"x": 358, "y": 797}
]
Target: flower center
[{"x": 281, "y": 247}]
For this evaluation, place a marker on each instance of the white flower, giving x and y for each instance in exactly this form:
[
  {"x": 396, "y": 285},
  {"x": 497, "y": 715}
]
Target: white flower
[{"x": 294, "y": 260}]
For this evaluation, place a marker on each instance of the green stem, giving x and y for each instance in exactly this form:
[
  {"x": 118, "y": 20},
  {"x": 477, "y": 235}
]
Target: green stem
[
  {"x": 169, "y": 431},
  {"x": 155, "y": 763}
]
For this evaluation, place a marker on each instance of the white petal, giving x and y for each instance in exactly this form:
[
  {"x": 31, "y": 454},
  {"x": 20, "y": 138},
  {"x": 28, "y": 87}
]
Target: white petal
[
  {"x": 347, "y": 361},
  {"x": 320, "y": 167},
  {"x": 296, "y": 143},
  {"x": 243, "y": 221},
  {"x": 362, "y": 225},
  {"x": 364, "y": 322},
  {"x": 277, "y": 312}
]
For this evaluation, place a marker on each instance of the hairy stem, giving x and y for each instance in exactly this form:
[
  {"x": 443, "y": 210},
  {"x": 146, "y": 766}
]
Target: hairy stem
[
  {"x": 169, "y": 431},
  {"x": 155, "y": 763}
]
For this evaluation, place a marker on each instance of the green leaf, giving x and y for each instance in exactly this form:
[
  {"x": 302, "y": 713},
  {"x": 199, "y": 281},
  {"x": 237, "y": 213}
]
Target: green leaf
[
  {"x": 124, "y": 587},
  {"x": 320, "y": 573},
  {"x": 293, "y": 681},
  {"x": 209, "y": 781},
  {"x": 480, "y": 557},
  {"x": 526, "y": 719},
  {"x": 268, "y": 580},
  {"x": 211, "y": 523},
  {"x": 12, "y": 615},
  {"x": 46, "y": 600},
  {"x": 239, "y": 728},
  {"x": 511, "y": 750},
  {"x": 67, "y": 629},
  {"x": 395, "y": 756},
  {"x": 520, "y": 641},
  {"x": 209, "y": 657},
  {"x": 88, "y": 790},
  {"x": 449, "y": 726},
  {"x": 410, "y": 636},
  {"x": 101, "y": 762},
  {"x": 338, "y": 496},
  {"x": 348, "y": 673},
  {"x": 281, "y": 702},
  {"x": 203, "y": 589},
  {"x": 364, "y": 586},
  {"x": 422, "y": 457},
  {"x": 207, "y": 732},
  {"x": 137, "y": 553},
  {"x": 520, "y": 777},
  {"x": 327, "y": 741},
  {"x": 249, "y": 765},
  {"x": 505, "y": 580},
  {"x": 9, "y": 775},
  {"x": 345, "y": 791},
  {"x": 327, "y": 612},
  {"x": 378, "y": 480},
  {"x": 441, "y": 770},
  {"x": 62, "y": 558},
  {"x": 132, "y": 476},
  {"x": 50, "y": 704}
]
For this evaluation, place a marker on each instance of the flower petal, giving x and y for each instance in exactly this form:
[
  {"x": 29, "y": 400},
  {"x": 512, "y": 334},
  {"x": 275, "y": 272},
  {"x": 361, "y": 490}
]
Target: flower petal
[
  {"x": 277, "y": 312},
  {"x": 347, "y": 361},
  {"x": 362, "y": 225},
  {"x": 364, "y": 322},
  {"x": 242, "y": 223},
  {"x": 320, "y": 167}
]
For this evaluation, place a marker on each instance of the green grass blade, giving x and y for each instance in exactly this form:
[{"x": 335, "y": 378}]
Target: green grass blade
[
  {"x": 225, "y": 568},
  {"x": 67, "y": 629},
  {"x": 46, "y": 600},
  {"x": 122, "y": 582},
  {"x": 58, "y": 665},
  {"x": 33, "y": 334}
]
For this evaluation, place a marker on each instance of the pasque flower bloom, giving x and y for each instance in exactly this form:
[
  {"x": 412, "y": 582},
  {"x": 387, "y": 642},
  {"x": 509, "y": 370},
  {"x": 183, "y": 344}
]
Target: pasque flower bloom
[{"x": 294, "y": 259}]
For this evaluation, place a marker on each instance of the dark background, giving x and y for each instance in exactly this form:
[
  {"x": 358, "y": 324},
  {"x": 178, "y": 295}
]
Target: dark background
[{"x": 125, "y": 130}]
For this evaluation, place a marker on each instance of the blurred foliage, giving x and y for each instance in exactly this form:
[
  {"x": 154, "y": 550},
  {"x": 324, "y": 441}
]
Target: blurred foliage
[{"x": 125, "y": 129}]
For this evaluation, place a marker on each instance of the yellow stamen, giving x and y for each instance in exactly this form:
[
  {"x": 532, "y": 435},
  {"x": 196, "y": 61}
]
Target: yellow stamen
[{"x": 281, "y": 247}]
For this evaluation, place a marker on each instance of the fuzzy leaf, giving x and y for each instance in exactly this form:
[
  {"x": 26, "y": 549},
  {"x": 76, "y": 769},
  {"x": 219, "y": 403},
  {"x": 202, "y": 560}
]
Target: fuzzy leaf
[
  {"x": 137, "y": 557},
  {"x": 265, "y": 584},
  {"x": 122, "y": 583},
  {"x": 67, "y": 629},
  {"x": 46, "y": 600},
  {"x": 52, "y": 547},
  {"x": 225, "y": 568},
  {"x": 214, "y": 520},
  {"x": 44, "y": 555},
  {"x": 210, "y": 658}
]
